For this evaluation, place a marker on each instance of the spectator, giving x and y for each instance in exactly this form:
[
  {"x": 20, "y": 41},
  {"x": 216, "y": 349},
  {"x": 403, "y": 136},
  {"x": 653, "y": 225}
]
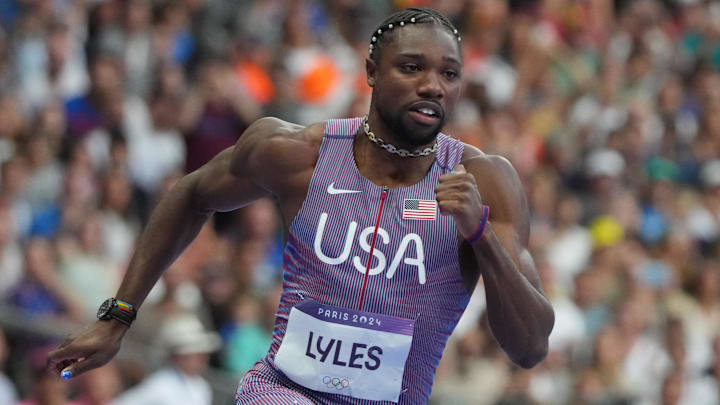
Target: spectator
[
  {"x": 12, "y": 125},
  {"x": 246, "y": 341},
  {"x": 138, "y": 53},
  {"x": 85, "y": 269},
  {"x": 119, "y": 224},
  {"x": 569, "y": 251},
  {"x": 100, "y": 386},
  {"x": 215, "y": 113},
  {"x": 257, "y": 256},
  {"x": 161, "y": 151},
  {"x": 53, "y": 67},
  {"x": 44, "y": 184},
  {"x": 11, "y": 258},
  {"x": 188, "y": 345},
  {"x": 705, "y": 390},
  {"x": 94, "y": 108},
  {"x": 607, "y": 109},
  {"x": 42, "y": 293},
  {"x": 46, "y": 389}
]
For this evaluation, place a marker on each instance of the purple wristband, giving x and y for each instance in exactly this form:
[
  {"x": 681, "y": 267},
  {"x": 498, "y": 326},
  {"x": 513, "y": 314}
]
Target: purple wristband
[{"x": 483, "y": 224}]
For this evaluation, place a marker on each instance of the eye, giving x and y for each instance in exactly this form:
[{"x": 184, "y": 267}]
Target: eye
[
  {"x": 410, "y": 68},
  {"x": 451, "y": 74}
]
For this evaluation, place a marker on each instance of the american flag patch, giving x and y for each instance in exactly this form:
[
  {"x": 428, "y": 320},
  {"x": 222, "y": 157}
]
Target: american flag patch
[{"x": 419, "y": 209}]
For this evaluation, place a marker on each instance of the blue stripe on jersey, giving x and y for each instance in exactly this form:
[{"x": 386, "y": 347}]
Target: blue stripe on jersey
[{"x": 414, "y": 272}]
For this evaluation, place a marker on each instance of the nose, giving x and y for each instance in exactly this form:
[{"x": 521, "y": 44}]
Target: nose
[{"x": 430, "y": 86}]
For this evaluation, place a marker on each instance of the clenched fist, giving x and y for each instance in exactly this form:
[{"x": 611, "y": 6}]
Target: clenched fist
[{"x": 457, "y": 195}]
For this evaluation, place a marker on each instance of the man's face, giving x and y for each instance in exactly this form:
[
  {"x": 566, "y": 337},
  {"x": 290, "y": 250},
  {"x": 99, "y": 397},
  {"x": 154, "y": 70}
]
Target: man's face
[
  {"x": 193, "y": 363},
  {"x": 416, "y": 81}
]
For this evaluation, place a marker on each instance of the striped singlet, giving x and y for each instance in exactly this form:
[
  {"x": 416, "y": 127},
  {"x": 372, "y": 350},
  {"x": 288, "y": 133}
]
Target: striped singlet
[{"x": 414, "y": 273}]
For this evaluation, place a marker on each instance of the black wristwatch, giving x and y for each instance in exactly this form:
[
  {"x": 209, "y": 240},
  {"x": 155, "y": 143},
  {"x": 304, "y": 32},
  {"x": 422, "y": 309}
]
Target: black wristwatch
[{"x": 118, "y": 310}]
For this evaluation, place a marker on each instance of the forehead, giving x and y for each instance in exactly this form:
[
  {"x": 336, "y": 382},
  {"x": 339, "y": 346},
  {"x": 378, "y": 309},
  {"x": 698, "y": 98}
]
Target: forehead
[{"x": 430, "y": 40}]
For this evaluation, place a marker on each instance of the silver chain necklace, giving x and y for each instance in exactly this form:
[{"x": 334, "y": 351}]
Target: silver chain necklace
[{"x": 392, "y": 148}]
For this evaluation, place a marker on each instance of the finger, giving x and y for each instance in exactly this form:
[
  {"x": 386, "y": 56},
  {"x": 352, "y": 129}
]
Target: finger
[
  {"x": 59, "y": 367},
  {"x": 464, "y": 189},
  {"x": 69, "y": 339},
  {"x": 458, "y": 186},
  {"x": 64, "y": 364},
  {"x": 449, "y": 207},
  {"x": 83, "y": 365},
  {"x": 56, "y": 367},
  {"x": 64, "y": 352},
  {"x": 456, "y": 177},
  {"x": 459, "y": 168},
  {"x": 451, "y": 195},
  {"x": 54, "y": 361}
]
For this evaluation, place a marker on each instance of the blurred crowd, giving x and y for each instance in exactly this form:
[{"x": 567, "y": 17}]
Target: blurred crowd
[{"x": 608, "y": 109}]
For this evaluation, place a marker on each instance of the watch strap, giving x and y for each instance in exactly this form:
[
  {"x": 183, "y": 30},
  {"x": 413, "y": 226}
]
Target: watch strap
[{"x": 123, "y": 312}]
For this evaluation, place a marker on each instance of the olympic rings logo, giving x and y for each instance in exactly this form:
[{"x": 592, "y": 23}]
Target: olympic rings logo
[{"x": 335, "y": 382}]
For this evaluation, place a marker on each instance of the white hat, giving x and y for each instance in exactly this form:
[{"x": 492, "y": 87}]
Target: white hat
[
  {"x": 604, "y": 162},
  {"x": 710, "y": 174},
  {"x": 184, "y": 334}
]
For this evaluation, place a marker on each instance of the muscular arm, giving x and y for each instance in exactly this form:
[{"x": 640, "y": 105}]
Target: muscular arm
[
  {"x": 234, "y": 178},
  {"x": 177, "y": 219},
  {"x": 520, "y": 316},
  {"x": 230, "y": 180}
]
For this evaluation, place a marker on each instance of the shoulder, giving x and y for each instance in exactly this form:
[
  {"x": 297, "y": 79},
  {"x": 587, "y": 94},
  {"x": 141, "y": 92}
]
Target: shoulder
[
  {"x": 496, "y": 167},
  {"x": 272, "y": 140},
  {"x": 279, "y": 132},
  {"x": 500, "y": 187},
  {"x": 271, "y": 149}
]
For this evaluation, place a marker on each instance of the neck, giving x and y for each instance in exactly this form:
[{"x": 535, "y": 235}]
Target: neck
[{"x": 385, "y": 168}]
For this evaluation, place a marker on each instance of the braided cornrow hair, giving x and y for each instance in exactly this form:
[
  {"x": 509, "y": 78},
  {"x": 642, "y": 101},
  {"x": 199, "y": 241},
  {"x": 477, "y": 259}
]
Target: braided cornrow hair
[{"x": 412, "y": 15}]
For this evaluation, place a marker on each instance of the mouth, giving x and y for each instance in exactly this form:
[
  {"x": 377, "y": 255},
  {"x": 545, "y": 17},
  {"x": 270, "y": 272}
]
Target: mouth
[{"x": 426, "y": 113}]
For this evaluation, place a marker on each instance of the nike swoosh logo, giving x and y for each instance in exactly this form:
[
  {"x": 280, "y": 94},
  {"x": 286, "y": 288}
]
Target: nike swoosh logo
[{"x": 332, "y": 190}]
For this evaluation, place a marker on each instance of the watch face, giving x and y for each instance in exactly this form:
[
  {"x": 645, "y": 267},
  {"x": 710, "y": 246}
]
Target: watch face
[{"x": 104, "y": 310}]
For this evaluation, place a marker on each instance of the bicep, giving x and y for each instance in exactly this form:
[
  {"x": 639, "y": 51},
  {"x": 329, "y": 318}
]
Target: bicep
[
  {"x": 514, "y": 221},
  {"x": 255, "y": 167},
  {"x": 229, "y": 181},
  {"x": 509, "y": 213},
  {"x": 218, "y": 188}
]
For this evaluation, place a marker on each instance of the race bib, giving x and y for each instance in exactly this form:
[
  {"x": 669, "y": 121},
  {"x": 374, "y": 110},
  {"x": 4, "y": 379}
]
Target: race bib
[{"x": 344, "y": 351}]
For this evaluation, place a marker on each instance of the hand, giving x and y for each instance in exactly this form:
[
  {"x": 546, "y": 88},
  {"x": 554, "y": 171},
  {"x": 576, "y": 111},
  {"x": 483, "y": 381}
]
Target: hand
[
  {"x": 457, "y": 195},
  {"x": 91, "y": 348}
]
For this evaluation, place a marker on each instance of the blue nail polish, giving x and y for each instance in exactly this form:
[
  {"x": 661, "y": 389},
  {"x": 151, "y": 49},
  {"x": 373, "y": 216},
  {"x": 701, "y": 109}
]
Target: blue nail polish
[{"x": 66, "y": 375}]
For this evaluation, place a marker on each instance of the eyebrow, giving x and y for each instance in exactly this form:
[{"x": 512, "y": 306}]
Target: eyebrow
[
  {"x": 422, "y": 56},
  {"x": 412, "y": 55}
]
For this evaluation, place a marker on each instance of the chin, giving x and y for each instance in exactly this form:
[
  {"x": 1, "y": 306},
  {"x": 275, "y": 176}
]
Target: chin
[
  {"x": 409, "y": 132},
  {"x": 419, "y": 135}
]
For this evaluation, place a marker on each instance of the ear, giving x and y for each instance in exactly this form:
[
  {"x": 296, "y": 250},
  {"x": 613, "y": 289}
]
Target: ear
[{"x": 370, "y": 70}]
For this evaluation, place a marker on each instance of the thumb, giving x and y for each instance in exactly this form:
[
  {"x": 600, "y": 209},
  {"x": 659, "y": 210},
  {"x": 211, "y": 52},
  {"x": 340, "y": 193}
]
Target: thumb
[{"x": 459, "y": 169}]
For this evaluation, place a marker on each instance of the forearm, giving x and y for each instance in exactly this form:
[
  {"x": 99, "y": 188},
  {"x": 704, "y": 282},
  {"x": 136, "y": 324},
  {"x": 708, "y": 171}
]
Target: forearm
[
  {"x": 520, "y": 316},
  {"x": 174, "y": 223}
]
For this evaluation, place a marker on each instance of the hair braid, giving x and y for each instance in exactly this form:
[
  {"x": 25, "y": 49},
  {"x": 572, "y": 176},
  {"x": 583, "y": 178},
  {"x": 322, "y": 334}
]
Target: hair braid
[{"x": 412, "y": 15}]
